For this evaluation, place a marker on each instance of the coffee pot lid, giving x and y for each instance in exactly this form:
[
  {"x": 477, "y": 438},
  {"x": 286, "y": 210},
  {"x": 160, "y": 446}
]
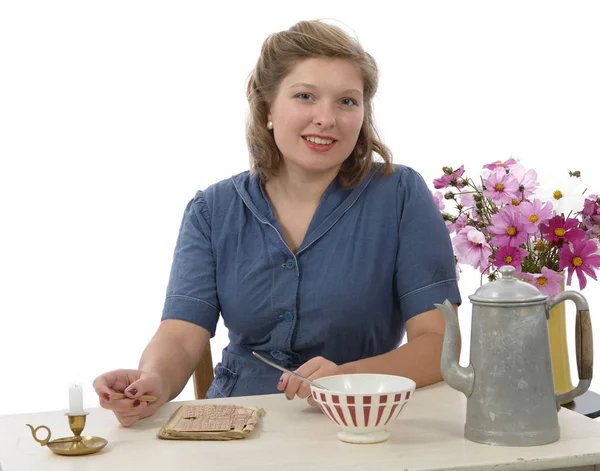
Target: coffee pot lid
[{"x": 507, "y": 289}]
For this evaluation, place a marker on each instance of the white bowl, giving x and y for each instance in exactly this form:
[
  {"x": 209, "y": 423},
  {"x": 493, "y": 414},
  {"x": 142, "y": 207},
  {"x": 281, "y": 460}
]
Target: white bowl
[{"x": 363, "y": 404}]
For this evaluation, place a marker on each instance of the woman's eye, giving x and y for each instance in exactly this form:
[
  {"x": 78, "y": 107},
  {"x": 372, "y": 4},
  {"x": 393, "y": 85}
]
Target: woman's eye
[
  {"x": 303, "y": 96},
  {"x": 349, "y": 102}
]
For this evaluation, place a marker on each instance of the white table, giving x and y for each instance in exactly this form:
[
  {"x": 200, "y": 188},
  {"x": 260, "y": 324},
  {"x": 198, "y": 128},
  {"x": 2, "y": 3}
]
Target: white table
[{"x": 294, "y": 436}]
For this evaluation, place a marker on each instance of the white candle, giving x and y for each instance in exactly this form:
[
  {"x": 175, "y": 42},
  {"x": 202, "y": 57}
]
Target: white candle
[{"x": 76, "y": 399}]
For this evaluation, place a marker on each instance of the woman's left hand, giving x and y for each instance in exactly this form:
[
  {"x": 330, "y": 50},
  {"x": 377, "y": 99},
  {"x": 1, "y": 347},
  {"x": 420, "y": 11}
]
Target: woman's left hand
[{"x": 313, "y": 369}]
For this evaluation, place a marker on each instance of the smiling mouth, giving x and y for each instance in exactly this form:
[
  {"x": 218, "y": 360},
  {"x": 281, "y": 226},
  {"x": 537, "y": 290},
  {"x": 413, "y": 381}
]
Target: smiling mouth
[{"x": 318, "y": 140}]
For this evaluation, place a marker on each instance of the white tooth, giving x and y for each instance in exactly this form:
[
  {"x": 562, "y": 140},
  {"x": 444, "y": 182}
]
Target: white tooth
[{"x": 318, "y": 140}]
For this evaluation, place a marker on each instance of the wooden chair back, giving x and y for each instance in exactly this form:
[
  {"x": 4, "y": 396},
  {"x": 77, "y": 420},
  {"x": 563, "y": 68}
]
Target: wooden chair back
[{"x": 204, "y": 374}]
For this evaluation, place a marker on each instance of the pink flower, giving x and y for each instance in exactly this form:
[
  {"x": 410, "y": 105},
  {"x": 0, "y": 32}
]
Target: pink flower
[
  {"x": 498, "y": 164},
  {"x": 439, "y": 199},
  {"x": 591, "y": 214},
  {"x": 501, "y": 187},
  {"x": 593, "y": 233},
  {"x": 558, "y": 230},
  {"x": 532, "y": 214},
  {"x": 450, "y": 226},
  {"x": 591, "y": 221},
  {"x": 590, "y": 206},
  {"x": 507, "y": 228},
  {"x": 526, "y": 179},
  {"x": 508, "y": 255},
  {"x": 461, "y": 222},
  {"x": 450, "y": 178},
  {"x": 467, "y": 199},
  {"x": 582, "y": 259},
  {"x": 547, "y": 282},
  {"x": 471, "y": 248}
]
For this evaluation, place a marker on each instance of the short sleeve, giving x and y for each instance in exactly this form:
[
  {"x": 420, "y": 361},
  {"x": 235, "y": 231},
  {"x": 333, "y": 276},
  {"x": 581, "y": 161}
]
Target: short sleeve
[
  {"x": 192, "y": 289},
  {"x": 425, "y": 270}
]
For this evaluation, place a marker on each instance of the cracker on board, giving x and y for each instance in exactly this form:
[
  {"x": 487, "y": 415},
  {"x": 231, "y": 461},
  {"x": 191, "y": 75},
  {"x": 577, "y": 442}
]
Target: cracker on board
[{"x": 211, "y": 422}]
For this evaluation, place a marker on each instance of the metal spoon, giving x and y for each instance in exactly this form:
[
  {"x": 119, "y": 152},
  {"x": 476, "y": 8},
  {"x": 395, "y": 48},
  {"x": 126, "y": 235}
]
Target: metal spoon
[{"x": 285, "y": 370}]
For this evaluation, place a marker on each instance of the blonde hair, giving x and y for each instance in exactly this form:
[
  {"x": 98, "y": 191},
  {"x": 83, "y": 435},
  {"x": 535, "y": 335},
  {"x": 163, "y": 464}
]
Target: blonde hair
[{"x": 279, "y": 54}]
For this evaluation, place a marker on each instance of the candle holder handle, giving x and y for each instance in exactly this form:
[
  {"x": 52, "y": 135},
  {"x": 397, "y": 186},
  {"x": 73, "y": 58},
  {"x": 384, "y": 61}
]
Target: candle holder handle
[{"x": 34, "y": 432}]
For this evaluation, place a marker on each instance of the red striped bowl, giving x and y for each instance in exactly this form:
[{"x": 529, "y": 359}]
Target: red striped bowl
[{"x": 363, "y": 404}]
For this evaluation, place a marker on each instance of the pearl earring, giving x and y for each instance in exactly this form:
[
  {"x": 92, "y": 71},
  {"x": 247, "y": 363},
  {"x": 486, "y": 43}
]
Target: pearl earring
[{"x": 269, "y": 125}]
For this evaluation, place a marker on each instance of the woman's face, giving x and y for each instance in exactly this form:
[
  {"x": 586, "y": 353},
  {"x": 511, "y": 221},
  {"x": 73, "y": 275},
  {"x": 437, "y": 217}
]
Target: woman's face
[{"x": 317, "y": 114}]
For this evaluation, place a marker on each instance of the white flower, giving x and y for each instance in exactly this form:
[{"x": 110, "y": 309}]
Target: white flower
[{"x": 565, "y": 193}]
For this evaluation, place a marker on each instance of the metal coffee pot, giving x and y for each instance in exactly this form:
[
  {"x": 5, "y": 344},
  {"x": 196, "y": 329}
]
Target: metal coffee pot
[{"x": 509, "y": 382}]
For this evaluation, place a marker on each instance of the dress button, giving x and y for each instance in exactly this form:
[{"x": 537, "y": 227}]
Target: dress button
[
  {"x": 288, "y": 316},
  {"x": 279, "y": 355},
  {"x": 289, "y": 264}
]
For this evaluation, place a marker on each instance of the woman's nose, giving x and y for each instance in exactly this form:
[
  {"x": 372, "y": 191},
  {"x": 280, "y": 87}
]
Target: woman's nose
[{"x": 324, "y": 116}]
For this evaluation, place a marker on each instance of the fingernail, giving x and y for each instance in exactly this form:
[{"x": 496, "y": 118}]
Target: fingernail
[
  {"x": 106, "y": 397},
  {"x": 136, "y": 403},
  {"x": 132, "y": 391},
  {"x": 281, "y": 380}
]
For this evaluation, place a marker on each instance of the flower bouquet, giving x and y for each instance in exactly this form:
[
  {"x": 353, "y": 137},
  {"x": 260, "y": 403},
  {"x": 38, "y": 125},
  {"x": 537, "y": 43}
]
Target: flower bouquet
[{"x": 504, "y": 217}]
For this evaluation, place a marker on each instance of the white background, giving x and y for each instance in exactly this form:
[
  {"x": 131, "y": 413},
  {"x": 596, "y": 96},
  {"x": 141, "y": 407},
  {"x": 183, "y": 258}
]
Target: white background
[{"x": 113, "y": 114}]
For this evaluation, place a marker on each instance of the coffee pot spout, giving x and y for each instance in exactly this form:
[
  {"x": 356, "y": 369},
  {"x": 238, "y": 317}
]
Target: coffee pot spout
[{"x": 456, "y": 376}]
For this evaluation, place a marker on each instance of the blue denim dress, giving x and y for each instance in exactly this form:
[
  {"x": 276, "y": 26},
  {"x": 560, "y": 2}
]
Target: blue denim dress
[{"x": 372, "y": 258}]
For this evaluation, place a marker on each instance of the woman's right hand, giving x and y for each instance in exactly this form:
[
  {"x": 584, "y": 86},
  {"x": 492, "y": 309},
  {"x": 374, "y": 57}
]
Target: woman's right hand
[{"x": 134, "y": 383}]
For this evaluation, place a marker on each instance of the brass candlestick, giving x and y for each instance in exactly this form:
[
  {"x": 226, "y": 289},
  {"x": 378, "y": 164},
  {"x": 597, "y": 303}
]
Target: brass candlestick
[{"x": 75, "y": 445}]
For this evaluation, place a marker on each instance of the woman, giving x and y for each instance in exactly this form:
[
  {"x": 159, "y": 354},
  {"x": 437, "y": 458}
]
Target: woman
[{"x": 320, "y": 258}]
